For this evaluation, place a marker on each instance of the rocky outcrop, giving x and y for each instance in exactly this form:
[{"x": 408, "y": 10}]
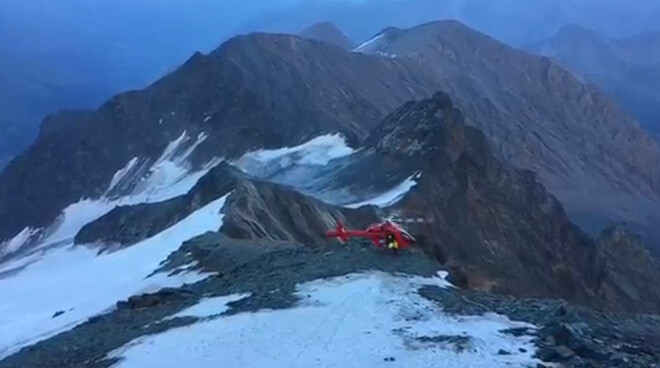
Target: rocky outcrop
[
  {"x": 496, "y": 226},
  {"x": 627, "y": 269},
  {"x": 259, "y": 210},
  {"x": 329, "y": 33}
]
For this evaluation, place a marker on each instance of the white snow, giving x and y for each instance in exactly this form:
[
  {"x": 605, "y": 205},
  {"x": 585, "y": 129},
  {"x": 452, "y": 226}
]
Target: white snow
[
  {"x": 82, "y": 284},
  {"x": 371, "y": 45},
  {"x": 210, "y": 306},
  {"x": 356, "y": 320},
  {"x": 390, "y": 197},
  {"x": 316, "y": 152},
  {"x": 121, "y": 174},
  {"x": 167, "y": 178},
  {"x": 14, "y": 244}
]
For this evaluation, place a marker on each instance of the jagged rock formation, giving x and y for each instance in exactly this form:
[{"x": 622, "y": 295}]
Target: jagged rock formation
[
  {"x": 496, "y": 226},
  {"x": 254, "y": 210},
  {"x": 627, "y": 269},
  {"x": 329, "y": 33},
  {"x": 259, "y": 210}
]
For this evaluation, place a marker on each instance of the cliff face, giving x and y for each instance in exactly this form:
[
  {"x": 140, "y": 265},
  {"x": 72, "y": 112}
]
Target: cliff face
[{"x": 627, "y": 269}]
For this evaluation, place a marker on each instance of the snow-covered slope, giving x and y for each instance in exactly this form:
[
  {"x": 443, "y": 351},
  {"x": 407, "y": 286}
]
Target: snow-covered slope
[
  {"x": 139, "y": 181},
  {"x": 357, "y": 320},
  {"x": 311, "y": 168},
  {"x": 80, "y": 283}
]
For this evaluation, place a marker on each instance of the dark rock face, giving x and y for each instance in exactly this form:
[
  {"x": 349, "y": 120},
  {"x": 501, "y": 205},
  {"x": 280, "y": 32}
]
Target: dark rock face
[
  {"x": 258, "y": 210},
  {"x": 497, "y": 227},
  {"x": 151, "y": 300},
  {"x": 127, "y": 225},
  {"x": 627, "y": 269},
  {"x": 329, "y": 33}
]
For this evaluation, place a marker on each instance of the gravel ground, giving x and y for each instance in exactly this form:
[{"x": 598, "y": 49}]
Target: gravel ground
[{"x": 270, "y": 272}]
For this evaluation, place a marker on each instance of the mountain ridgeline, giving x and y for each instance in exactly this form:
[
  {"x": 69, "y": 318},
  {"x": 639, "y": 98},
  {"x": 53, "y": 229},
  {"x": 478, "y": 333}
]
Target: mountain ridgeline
[
  {"x": 628, "y": 68},
  {"x": 495, "y": 227},
  {"x": 268, "y": 91}
]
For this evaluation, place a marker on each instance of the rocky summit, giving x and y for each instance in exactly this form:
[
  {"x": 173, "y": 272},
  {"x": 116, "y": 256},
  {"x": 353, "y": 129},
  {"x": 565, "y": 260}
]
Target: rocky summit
[{"x": 329, "y": 33}]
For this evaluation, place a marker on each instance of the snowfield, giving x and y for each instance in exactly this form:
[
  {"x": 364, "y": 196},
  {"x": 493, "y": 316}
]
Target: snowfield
[
  {"x": 168, "y": 177},
  {"x": 358, "y": 320},
  {"x": 389, "y": 197},
  {"x": 82, "y": 284},
  {"x": 316, "y": 152},
  {"x": 372, "y": 44}
]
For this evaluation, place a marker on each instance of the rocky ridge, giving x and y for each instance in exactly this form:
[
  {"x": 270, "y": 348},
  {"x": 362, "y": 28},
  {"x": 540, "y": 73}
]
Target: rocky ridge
[
  {"x": 494, "y": 226},
  {"x": 627, "y": 68}
]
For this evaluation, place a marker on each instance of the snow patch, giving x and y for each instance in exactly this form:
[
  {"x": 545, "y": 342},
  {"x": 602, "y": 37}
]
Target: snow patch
[
  {"x": 390, "y": 197},
  {"x": 76, "y": 280},
  {"x": 371, "y": 45},
  {"x": 210, "y": 306},
  {"x": 169, "y": 177},
  {"x": 122, "y": 173},
  {"x": 358, "y": 320},
  {"x": 316, "y": 152},
  {"x": 16, "y": 243}
]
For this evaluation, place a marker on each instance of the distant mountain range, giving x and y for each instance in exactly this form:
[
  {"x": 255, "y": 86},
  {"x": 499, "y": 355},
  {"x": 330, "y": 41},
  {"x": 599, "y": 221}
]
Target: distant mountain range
[
  {"x": 628, "y": 68},
  {"x": 68, "y": 54},
  {"x": 534, "y": 21}
]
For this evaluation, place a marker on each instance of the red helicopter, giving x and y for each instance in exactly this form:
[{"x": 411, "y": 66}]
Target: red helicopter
[{"x": 383, "y": 234}]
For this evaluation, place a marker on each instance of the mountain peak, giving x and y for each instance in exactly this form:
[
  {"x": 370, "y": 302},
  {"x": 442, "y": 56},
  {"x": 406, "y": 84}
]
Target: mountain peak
[
  {"x": 327, "y": 32},
  {"x": 575, "y": 33}
]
